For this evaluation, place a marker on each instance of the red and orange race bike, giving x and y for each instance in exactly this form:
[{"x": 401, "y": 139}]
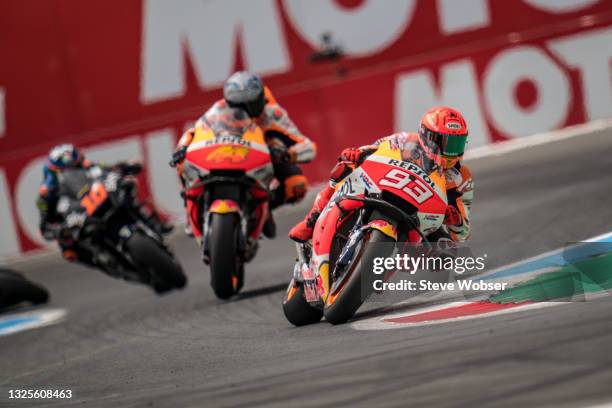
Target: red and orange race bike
[
  {"x": 385, "y": 201},
  {"x": 227, "y": 172}
]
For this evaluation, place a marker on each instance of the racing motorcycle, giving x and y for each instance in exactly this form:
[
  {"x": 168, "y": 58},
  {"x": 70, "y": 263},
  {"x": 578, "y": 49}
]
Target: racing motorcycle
[
  {"x": 227, "y": 172},
  {"x": 385, "y": 201},
  {"x": 99, "y": 211}
]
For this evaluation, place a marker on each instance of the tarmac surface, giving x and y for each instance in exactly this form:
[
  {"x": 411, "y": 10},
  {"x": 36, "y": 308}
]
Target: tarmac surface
[{"x": 122, "y": 346}]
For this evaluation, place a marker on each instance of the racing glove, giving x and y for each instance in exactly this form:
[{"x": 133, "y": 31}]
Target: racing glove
[
  {"x": 178, "y": 156},
  {"x": 292, "y": 155},
  {"x": 453, "y": 216},
  {"x": 279, "y": 155},
  {"x": 351, "y": 154},
  {"x": 278, "y": 151}
]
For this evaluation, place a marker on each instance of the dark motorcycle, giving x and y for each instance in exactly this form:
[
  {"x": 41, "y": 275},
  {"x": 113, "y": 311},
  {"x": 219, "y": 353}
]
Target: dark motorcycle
[
  {"x": 102, "y": 216},
  {"x": 16, "y": 289}
]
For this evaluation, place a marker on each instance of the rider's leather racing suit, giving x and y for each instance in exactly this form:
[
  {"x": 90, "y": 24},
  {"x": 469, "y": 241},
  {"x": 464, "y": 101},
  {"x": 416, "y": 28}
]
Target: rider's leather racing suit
[{"x": 460, "y": 191}]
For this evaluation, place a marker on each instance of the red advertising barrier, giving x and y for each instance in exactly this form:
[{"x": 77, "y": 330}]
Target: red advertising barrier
[{"x": 122, "y": 79}]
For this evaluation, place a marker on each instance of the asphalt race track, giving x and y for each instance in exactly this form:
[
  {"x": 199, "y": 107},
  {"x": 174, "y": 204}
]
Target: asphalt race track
[{"x": 122, "y": 346}]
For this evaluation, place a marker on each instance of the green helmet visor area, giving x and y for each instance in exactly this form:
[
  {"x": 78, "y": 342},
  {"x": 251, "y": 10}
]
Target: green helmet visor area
[
  {"x": 445, "y": 144},
  {"x": 453, "y": 145}
]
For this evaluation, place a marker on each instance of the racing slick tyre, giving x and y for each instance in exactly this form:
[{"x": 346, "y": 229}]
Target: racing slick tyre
[
  {"x": 225, "y": 265},
  {"x": 348, "y": 295},
  {"x": 165, "y": 273},
  {"x": 14, "y": 289},
  {"x": 297, "y": 310}
]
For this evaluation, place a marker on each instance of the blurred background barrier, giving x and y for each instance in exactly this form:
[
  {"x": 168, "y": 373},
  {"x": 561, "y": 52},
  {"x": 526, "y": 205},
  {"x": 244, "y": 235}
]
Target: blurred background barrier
[{"x": 122, "y": 79}]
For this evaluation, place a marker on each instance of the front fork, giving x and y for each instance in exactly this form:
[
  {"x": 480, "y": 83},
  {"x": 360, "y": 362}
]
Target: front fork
[
  {"x": 356, "y": 237},
  {"x": 247, "y": 245},
  {"x": 221, "y": 206},
  {"x": 304, "y": 274}
]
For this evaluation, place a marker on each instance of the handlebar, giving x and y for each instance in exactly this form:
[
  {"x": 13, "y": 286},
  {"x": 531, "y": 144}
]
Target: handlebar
[
  {"x": 247, "y": 182},
  {"x": 177, "y": 157}
]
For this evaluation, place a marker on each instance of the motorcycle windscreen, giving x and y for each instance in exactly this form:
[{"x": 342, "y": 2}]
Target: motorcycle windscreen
[
  {"x": 238, "y": 143},
  {"x": 228, "y": 121},
  {"x": 74, "y": 183}
]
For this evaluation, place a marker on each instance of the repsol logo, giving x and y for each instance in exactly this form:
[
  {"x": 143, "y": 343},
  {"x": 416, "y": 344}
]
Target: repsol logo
[
  {"x": 347, "y": 187},
  {"x": 413, "y": 168},
  {"x": 228, "y": 140}
]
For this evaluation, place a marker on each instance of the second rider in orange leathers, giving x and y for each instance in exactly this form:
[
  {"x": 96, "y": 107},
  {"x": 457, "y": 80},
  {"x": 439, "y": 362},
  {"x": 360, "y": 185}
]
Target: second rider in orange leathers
[{"x": 288, "y": 146}]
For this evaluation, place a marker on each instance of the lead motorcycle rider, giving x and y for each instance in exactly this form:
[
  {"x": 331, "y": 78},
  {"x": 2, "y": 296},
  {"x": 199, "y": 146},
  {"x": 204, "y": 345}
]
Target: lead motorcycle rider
[
  {"x": 441, "y": 138},
  {"x": 288, "y": 146},
  {"x": 66, "y": 156}
]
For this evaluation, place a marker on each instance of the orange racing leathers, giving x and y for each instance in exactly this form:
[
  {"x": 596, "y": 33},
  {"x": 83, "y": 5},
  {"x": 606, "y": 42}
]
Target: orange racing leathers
[
  {"x": 278, "y": 128},
  {"x": 460, "y": 189}
]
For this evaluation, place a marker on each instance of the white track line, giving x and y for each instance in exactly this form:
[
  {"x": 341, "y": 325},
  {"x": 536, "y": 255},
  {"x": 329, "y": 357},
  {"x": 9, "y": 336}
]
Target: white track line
[
  {"x": 542, "y": 255},
  {"x": 39, "y": 318}
]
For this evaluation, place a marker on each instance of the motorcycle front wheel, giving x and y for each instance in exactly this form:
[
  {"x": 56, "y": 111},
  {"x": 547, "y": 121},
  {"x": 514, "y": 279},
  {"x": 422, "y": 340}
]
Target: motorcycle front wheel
[
  {"x": 225, "y": 264},
  {"x": 347, "y": 296},
  {"x": 165, "y": 273},
  {"x": 297, "y": 310}
]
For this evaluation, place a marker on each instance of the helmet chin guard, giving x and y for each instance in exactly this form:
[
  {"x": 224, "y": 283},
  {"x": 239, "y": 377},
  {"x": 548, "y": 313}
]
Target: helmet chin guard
[{"x": 443, "y": 135}]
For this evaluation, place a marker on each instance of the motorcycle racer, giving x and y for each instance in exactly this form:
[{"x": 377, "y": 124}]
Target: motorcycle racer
[
  {"x": 441, "y": 138},
  {"x": 288, "y": 146},
  {"x": 63, "y": 157}
]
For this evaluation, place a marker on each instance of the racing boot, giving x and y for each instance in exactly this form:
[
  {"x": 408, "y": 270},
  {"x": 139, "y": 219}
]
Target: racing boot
[
  {"x": 251, "y": 249},
  {"x": 188, "y": 230},
  {"x": 302, "y": 231}
]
